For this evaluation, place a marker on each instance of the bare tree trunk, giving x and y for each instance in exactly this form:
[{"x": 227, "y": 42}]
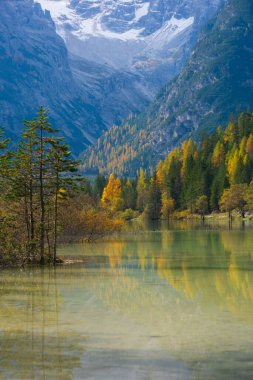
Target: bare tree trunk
[
  {"x": 27, "y": 217},
  {"x": 56, "y": 218},
  {"x": 32, "y": 221},
  {"x": 42, "y": 204},
  {"x": 31, "y": 205}
]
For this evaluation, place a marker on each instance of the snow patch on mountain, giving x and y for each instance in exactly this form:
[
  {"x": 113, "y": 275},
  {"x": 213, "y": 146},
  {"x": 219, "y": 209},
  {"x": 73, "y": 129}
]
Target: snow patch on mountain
[
  {"x": 68, "y": 20},
  {"x": 58, "y": 9},
  {"x": 123, "y": 51},
  {"x": 168, "y": 31},
  {"x": 141, "y": 11}
]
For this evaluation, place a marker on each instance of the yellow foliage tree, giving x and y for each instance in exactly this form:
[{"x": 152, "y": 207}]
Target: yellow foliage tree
[
  {"x": 188, "y": 149},
  {"x": 168, "y": 205},
  {"x": 159, "y": 174},
  {"x": 97, "y": 224},
  {"x": 232, "y": 165},
  {"x": 234, "y": 198},
  {"x": 230, "y": 135},
  {"x": 142, "y": 188},
  {"x": 218, "y": 156},
  {"x": 242, "y": 149},
  {"x": 111, "y": 197}
]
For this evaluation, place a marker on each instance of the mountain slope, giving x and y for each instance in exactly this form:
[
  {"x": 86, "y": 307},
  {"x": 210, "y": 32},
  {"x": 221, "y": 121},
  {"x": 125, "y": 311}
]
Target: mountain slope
[
  {"x": 216, "y": 81},
  {"x": 34, "y": 70},
  {"x": 138, "y": 45}
]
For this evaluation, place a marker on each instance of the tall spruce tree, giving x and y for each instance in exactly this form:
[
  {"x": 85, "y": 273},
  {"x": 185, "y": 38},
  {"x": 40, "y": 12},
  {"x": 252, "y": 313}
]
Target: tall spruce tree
[
  {"x": 154, "y": 200},
  {"x": 141, "y": 190},
  {"x": 61, "y": 167}
]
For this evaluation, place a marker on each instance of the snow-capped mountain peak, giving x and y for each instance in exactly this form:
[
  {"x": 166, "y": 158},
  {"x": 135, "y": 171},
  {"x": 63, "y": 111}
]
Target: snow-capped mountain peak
[
  {"x": 120, "y": 20},
  {"x": 124, "y": 51},
  {"x": 119, "y": 32}
]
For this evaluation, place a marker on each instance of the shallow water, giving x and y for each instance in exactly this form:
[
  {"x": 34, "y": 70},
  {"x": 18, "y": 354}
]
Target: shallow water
[{"x": 170, "y": 304}]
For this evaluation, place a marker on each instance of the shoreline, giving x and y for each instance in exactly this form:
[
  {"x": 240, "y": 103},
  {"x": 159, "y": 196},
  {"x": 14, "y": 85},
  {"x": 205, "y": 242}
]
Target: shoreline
[{"x": 183, "y": 218}]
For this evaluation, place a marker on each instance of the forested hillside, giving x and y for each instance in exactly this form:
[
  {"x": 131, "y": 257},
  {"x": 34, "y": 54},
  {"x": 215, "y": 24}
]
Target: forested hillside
[
  {"x": 223, "y": 160},
  {"x": 216, "y": 81},
  {"x": 123, "y": 52},
  {"x": 216, "y": 175}
]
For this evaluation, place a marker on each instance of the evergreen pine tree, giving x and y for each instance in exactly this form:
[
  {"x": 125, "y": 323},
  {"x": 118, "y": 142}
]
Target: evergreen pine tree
[{"x": 154, "y": 200}]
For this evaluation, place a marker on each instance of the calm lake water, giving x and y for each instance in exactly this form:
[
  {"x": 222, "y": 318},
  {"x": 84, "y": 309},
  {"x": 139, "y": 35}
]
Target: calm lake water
[{"x": 165, "y": 304}]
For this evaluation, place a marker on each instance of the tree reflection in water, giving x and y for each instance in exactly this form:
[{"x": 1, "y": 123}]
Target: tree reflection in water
[
  {"x": 33, "y": 344},
  {"x": 177, "y": 293}
]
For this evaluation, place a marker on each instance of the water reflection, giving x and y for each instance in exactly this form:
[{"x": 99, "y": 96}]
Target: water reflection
[
  {"x": 33, "y": 344},
  {"x": 167, "y": 304}
]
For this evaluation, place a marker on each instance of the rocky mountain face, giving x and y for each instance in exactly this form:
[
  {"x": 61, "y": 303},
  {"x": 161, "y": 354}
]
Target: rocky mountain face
[
  {"x": 34, "y": 70},
  {"x": 123, "y": 51},
  {"x": 216, "y": 81}
]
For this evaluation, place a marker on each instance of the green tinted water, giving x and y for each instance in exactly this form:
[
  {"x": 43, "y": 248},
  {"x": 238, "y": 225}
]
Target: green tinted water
[{"x": 171, "y": 304}]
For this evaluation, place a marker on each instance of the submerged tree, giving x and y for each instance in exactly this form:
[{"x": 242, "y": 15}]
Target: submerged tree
[
  {"x": 40, "y": 167},
  {"x": 61, "y": 167}
]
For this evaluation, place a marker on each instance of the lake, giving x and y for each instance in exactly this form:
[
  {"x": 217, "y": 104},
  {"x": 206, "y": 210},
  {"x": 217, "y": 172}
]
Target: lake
[{"x": 158, "y": 303}]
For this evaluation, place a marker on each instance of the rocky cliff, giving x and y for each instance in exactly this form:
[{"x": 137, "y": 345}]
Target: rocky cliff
[{"x": 34, "y": 70}]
